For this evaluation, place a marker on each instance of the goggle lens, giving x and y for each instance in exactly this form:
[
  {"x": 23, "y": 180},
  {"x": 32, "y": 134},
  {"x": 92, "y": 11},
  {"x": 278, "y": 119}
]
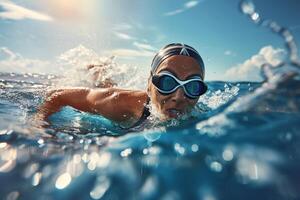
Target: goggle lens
[
  {"x": 195, "y": 88},
  {"x": 167, "y": 83}
]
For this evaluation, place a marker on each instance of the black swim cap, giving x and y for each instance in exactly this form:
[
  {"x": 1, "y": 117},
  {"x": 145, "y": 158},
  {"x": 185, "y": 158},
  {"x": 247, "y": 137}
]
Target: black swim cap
[{"x": 176, "y": 49}]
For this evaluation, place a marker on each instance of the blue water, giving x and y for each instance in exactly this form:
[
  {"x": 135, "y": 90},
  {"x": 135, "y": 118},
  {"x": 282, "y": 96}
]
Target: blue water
[{"x": 246, "y": 147}]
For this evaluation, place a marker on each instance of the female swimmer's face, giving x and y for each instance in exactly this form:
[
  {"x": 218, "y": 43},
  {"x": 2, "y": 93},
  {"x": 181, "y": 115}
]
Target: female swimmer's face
[{"x": 176, "y": 103}]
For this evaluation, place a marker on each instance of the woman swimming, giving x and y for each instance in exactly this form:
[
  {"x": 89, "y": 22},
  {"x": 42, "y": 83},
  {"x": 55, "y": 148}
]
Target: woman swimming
[{"x": 174, "y": 87}]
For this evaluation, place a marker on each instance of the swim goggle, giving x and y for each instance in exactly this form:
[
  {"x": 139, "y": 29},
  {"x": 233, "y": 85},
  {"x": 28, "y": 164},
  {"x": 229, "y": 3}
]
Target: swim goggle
[{"x": 166, "y": 83}]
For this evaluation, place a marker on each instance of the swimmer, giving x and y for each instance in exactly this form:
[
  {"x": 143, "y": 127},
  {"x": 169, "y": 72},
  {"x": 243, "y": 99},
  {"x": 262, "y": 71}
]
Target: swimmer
[{"x": 174, "y": 87}]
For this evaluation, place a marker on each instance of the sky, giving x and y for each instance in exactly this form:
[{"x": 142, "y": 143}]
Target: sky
[{"x": 35, "y": 34}]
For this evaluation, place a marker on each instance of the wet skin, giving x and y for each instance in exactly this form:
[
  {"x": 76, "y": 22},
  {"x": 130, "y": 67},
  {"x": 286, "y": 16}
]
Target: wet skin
[
  {"x": 177, "y": 103},
  {"x": 127, "y": 105}
]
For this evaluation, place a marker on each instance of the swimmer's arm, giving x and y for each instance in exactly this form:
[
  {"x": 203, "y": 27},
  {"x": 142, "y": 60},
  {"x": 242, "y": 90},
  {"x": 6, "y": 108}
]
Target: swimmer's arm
[
  {"x": 57, "y": 99},
  {"x": 117, "y": 104},
  {"x": 114, "y": 104}
]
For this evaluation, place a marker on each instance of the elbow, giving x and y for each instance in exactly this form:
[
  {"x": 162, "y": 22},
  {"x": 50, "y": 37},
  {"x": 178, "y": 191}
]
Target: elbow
[
  {"x": 53, "y": 103},
  {"x": 55, "y": 98}
]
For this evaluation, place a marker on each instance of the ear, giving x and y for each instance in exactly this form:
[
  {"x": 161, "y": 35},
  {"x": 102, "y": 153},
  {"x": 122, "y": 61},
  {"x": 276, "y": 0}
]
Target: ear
[
  {"x": 148, "y": 89},
  {"x": 148, "y": 85}
]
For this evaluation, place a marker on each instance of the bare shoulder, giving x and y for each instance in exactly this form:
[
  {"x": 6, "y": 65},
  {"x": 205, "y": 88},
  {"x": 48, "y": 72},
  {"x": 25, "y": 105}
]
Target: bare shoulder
[
  {"x": 68, "y": 91},
  {"x": 116, "y": 94},
  {"x": 119, "y": 104}
]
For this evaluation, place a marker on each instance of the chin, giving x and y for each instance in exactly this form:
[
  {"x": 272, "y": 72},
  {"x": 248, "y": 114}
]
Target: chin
[{"x": 172, "y": 114}]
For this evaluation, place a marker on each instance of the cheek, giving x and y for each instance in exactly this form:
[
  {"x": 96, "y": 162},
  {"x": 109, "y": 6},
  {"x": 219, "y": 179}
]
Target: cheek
[
  {"x": 157, "y": 98},
  {"x": 192, "y": 103}
]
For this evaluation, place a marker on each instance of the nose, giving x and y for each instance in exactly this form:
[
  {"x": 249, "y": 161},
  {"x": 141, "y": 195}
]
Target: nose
[{"x": 178, "y": 95}]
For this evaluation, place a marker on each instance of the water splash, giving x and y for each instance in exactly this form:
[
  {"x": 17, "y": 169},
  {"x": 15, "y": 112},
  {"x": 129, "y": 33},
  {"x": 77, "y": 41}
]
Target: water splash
[
  {"x": 268, "y": 94},
  {"x": 292, "y": 66},
  {"x": 87, "y": 68},
  {"x": 215, "y": 98}
]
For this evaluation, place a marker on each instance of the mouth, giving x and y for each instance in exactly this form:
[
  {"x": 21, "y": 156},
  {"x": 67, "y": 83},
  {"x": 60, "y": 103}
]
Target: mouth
[{"x": 173, "y": 113}]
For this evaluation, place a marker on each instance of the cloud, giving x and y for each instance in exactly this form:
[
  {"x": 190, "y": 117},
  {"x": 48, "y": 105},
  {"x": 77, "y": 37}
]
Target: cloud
[
  {"x": 14, "y": 12},
  {"x": 122, "y": 27},
  {"x": 229, "y": 53},
  {"x": 188, "y": 5},
  {"x": 14, "y": 62},
  {"x": 123, "y": 36},
  {"x": 135, "y": 31},
  {"x": 131, "y": 53},
  {"x": 144, "y": 49},
  {"x": 7, "y": 54},
  {"x": 174, "y": 12},
  {"x": 73, "y": 59},
  {"x": 144, "y": 46},
  {"x": 250, "y": 69},
  {"x": 191, "y": 4}
]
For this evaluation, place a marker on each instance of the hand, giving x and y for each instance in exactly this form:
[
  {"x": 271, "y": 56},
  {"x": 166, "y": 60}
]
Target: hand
[{"x": 39, "y": 120}]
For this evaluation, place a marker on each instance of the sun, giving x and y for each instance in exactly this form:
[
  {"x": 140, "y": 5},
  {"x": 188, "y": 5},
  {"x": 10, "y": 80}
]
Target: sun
[{"x": 71, "y": 9}]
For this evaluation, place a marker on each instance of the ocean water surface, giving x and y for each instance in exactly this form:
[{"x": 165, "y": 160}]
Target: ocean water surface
[{"x": 245, "y": 146}]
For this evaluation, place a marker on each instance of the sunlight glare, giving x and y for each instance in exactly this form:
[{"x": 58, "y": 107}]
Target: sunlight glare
[{"x": 71, "y": 9}]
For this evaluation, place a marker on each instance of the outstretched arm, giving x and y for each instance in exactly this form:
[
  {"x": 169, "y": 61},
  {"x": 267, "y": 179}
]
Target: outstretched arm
[
  {"x": 56, "y": 99},
  {"x": 115, "y": 104}
]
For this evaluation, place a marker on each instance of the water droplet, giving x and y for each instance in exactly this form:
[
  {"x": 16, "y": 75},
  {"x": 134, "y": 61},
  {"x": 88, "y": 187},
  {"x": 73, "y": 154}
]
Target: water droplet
[
  {"x": 150, "y": 186},
  {"x": 92, "y": 165},
  {"x": 30, "y": 170},
  {"x": 63, "y": 181},
  {"x": 7, "y": 166},
  {"x": 154, "y": 150},
  {"x": 3, "y": 145},
  {"x": 227, "y": 155},
  {"x": 13, "y": 195},
  {"x": 145, "y": 151},
  {"x": 255, "y": 17},
  {"x": 85, "y": 157},
  {"x": 40, "y": 141},
  {"x": 247, "y": 7},
  {"x": 36, "y": 178},
  {"x": 76, "y": 158},
  {"x": 275, "y": 27},
  {"x": 104, "y": 160},
  {"x": 178, "y": 148},
  {"x": 101, "y": 187},
  {"x": 94, "y": 158},
  {"x": 195, "y": 147},
  {"x": 126, "y": 152},
  {"x": 8, "y": 159},
  {"x": 216, "y": 166}
]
